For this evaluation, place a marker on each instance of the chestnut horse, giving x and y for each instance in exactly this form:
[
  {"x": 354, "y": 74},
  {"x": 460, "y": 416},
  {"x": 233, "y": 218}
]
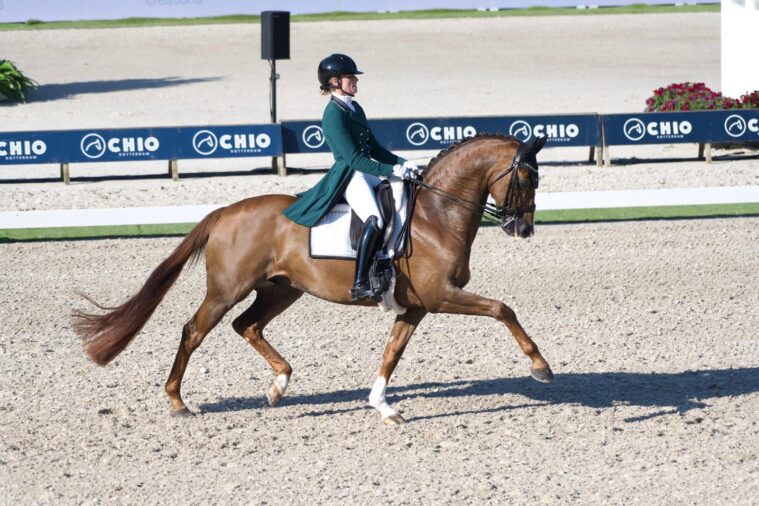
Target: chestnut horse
[{"x": 250, "y": 246}]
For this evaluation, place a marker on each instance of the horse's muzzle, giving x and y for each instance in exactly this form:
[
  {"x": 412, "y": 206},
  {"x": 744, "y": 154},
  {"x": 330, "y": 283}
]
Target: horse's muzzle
[
  {"x": 524, "y": 229},
  {"x": 519, "y": 228}
]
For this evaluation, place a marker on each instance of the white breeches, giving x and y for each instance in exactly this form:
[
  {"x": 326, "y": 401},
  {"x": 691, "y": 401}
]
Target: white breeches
[{"x": 360, "y": 196}]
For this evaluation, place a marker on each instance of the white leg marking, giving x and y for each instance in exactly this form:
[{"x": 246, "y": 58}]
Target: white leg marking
[
  {"x": 282, "y": 381},
  {"x": 377, "y": 398},
  {"x": 277, "y": 389}
]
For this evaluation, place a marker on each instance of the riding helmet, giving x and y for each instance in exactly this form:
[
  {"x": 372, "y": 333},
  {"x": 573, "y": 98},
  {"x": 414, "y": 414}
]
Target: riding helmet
[{"x": 336, "y": 65}]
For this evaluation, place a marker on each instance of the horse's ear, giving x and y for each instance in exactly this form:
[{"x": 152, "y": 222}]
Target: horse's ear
[{"x": 536, "y": 144}]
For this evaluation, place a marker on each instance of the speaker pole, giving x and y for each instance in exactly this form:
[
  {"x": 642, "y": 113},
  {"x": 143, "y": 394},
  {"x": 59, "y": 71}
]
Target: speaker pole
[
  {"x": 277, "y": 162},
  {"x": 275, "y": 45},
  {"x": 273, "y": 91}
]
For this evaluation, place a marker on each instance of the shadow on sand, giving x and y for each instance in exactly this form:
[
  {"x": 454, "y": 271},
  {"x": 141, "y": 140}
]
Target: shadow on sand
[
  {"x": 673, "y": 393},
  {"x": 49, "y": 92}
]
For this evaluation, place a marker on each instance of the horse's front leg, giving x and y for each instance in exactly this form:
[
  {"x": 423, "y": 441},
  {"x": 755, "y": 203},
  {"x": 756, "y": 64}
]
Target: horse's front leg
[
  {"x": 399, "y": 336},
  {"x": 458, "y": 301}
]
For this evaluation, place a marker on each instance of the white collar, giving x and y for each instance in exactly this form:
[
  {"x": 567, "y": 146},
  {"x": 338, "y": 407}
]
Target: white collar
[{"x": 346, "y": 99}]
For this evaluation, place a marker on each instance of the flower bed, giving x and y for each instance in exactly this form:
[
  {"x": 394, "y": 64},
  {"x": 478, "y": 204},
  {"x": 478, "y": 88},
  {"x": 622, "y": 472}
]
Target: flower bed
[{"x": 697, "y": 97}]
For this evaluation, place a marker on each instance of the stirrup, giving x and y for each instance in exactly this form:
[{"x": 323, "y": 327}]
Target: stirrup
[{"x": 365, "y": 291}]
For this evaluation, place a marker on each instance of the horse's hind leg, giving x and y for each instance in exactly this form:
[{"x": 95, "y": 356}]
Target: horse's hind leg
[
  {"x": 208, "y": 315},
  {"x": 271, "y": 300},
  {"x": 399, "y": 336}
]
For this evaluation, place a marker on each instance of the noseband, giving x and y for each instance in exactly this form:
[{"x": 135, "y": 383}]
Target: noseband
[{"x": 507, "y": 213}]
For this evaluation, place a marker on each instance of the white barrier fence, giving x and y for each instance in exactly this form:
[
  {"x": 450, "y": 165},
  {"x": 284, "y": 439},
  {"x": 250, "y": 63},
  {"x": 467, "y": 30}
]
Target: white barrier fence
[{"x": 544, "y": 202}]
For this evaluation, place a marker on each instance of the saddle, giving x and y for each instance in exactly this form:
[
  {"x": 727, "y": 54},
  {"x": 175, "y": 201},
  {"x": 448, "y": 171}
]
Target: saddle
[
  {"x": 335, "y": 236},
  {"x": 383, "y": 193},
  {"x": 337, "y": 233}
]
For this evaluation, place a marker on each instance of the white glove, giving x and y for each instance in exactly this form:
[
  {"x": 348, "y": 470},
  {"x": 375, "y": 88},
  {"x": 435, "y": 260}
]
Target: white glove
[
  {"x": 413, "y": 168},
  {"x": 402, "y": 172}
]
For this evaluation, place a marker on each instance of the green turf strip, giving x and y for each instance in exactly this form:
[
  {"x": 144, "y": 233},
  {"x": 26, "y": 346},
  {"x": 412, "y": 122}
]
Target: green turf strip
[
  {"x": 360, "y": 16},
  {"x": 566, "y": 216},
  {"x": 643, "y": 213},
  {"x": 47, "y": 234}
]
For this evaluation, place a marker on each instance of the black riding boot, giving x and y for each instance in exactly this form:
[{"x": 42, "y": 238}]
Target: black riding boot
[{"x": 367, "y": 248}]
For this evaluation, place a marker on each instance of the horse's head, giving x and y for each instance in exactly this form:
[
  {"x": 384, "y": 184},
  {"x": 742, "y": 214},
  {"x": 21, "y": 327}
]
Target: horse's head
[{"x": 513, "y": 189}]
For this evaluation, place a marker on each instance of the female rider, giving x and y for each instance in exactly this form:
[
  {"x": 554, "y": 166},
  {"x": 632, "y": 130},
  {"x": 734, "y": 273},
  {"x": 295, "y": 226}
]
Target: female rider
[{"x": 359, "y": 163}]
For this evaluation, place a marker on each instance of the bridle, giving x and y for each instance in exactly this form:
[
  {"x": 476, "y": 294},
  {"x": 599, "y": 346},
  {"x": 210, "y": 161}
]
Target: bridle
[{"x": 507, "y": 213}]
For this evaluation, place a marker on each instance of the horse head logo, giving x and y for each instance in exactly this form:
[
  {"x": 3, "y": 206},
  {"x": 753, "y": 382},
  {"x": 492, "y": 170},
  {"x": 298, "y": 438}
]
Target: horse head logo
[
  {"x": 417, "y": 133},
  {"x": 205, "y": 142},
  {"x": 634, "y": 129},
  {"x": 521, "y": 130},
  {"x": 92, "y": 146},
  {"x": 735, "y": 125},
  {"x": 313, "y": 136}
]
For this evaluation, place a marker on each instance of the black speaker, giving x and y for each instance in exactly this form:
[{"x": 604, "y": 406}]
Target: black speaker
[{"x": 275, "y": 35}]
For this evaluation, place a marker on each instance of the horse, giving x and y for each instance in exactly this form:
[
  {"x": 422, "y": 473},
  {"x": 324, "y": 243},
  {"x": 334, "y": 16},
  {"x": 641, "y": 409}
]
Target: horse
[{"x": 251, "y": 246}]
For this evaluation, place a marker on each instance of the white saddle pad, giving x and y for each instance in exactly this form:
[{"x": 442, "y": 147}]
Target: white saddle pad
[{"x": 330, "y": 238}]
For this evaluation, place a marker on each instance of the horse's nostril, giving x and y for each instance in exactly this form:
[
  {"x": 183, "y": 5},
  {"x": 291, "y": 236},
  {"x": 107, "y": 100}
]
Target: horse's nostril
[{"x": 526, "y": 230}]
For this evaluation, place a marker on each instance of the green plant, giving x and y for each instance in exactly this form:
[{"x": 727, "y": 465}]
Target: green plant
[
  {"x": 13, "y": 84},
  {"x": 697, "y": 97}
]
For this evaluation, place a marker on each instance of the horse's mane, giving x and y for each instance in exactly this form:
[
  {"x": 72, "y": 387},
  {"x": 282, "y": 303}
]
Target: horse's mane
[{"x": 464, "y": 142}]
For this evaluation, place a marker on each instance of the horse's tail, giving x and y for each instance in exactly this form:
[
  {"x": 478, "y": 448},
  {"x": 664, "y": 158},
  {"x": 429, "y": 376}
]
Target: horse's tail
[{"x": 106, "y": 335}]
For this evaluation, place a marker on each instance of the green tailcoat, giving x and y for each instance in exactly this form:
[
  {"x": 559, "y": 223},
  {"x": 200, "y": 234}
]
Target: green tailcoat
[{"x": 354, "y": 148}]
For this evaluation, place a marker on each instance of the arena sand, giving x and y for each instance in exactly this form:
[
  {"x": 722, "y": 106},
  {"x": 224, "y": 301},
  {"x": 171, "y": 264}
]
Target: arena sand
[{"x": 650, "y": 326}]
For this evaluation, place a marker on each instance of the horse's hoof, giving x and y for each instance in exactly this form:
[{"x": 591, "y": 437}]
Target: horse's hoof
[
  {"x": 394, "y": 420},
  {"x": 277, "y": 389},
  {"x": 182, "y": 413},
  {"x": 542, "y": 375},
  {"x": 274, "y": 395}
]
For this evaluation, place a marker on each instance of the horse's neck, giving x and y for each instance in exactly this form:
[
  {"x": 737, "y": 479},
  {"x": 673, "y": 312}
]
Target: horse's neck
[{"x": 462, "y": 176}]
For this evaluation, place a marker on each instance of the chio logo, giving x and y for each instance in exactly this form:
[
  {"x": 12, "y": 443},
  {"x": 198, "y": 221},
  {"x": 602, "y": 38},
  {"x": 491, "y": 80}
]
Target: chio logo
[
  {"x": 557, "y": 131},
  {"x": 22, "y": 148},
  {"x": 521, "y": 130},
  {"x": 634, "y": 129},
  {"x": 417, "y": 134},
  {"x": 448, "y": 134},
  {"x": 93, "y": 146},
  {"x": 205, "y": 142},
  {"x": 313, "y": 136},
  {"x": 735, "y": 125}
]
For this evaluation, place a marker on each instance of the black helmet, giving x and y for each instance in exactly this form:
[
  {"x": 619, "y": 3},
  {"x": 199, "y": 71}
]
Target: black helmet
[{"x": 335, "y": 65}]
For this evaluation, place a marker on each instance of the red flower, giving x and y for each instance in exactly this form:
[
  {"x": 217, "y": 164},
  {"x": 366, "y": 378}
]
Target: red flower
[{"x": 690, "y": 96}]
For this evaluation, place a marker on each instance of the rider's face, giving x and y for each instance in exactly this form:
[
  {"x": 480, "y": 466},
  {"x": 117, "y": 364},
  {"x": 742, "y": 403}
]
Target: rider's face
[{"x": 348, "y": 84}]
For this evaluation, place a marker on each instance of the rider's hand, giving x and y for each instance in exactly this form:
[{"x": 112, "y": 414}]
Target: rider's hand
[
  {"x": 402, "y": 172},
  {"x": 408, "y": 164}
]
